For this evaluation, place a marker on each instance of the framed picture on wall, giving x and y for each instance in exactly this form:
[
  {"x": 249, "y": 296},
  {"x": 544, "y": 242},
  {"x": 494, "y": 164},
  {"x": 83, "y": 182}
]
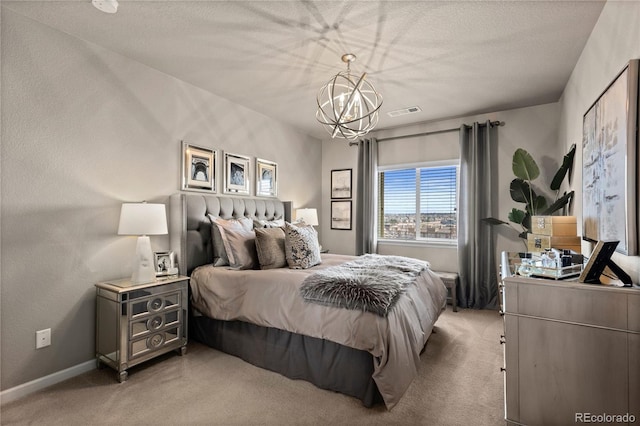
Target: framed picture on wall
[
  {"x": 341, "y": 215},
  {"x": 266, "y": 178},
  {"x": 610, "y": 164},
  {"x": 198, "y": 168},
  {"x": 341, "y": 183},
  {"x": 236, "y": 174}
]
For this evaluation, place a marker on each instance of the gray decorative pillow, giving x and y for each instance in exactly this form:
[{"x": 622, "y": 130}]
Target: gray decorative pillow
[
  {"x": 302, "y": 249},
  {"x": 240, "y": 246},
  {"x": 270, "y": 247},
  {"x": 220, "y": 257},
  {"x": 263, "y": 223}
]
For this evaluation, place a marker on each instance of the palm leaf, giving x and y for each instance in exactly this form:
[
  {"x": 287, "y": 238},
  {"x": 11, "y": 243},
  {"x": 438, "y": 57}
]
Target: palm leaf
[
  {"x": 517, "y": 216},
  {"x": 526, "y": 223},
  {"x": 521, "y": 192},
  {"x": 524, "y": 166},
  {"x": 559, "y": 203},
  {"x": 494, "y": 221},
  {"x": 566, "y": 167},
  {"x": 539, "y": 204}
]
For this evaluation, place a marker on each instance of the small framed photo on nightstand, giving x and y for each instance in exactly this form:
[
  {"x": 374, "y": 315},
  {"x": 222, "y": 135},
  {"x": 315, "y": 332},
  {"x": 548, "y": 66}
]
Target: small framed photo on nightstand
[{"x": 163, "y": 261}]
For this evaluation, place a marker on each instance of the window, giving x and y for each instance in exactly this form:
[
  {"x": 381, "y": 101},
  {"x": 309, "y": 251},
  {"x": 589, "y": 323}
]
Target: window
[{"x": 418, "y": 203}]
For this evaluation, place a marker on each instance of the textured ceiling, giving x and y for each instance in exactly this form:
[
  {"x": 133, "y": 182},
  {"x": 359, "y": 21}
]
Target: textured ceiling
[{"x": 449, "y": 58}]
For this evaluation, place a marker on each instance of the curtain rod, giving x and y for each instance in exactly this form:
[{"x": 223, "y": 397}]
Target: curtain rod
[{"x": 434, "y": 132}]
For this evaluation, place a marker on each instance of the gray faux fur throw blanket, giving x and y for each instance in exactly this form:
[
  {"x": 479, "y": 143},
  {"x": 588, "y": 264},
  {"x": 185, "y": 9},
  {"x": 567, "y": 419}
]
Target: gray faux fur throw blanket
[{"x": 370, "y": 283}]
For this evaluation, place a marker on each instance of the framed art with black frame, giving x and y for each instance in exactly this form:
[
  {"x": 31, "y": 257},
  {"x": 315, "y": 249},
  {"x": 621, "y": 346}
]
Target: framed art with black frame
[
  {"x": 198, "y": 168},
  {"x": 236, "y": 174},
  {"x": 341, "y": 215},
  {"x": 610, "y": 164},
  {"x": 341, "y": 183}
]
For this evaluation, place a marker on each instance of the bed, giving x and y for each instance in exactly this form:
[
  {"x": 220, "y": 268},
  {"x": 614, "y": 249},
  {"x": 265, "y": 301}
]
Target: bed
[{"x": 259, "y": 315}]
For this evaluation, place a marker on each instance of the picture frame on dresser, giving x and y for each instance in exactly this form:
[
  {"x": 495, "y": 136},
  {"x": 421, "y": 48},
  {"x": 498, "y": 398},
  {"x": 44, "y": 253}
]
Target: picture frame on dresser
[
  {"x": 341, "y": 215},
  {"x": 198, "y": 168},
  {"x": 237, "y": 174},
  {"x": 341, "y": 183},
  {"x": 610, "y": 157},
  {"x": 163, "y": 262},
  {"x": 266, "y": 178}
]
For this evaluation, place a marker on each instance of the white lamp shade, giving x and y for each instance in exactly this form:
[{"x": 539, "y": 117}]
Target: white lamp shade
[
  {"x": 308, "y": 216},
  {"x": 107, "y": 6},
  {"x": 143, "y": 219}
]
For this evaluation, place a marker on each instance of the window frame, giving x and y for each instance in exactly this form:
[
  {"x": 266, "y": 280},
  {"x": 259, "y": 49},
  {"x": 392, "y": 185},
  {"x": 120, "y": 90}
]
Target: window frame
[{"x": 420, "y": 241}]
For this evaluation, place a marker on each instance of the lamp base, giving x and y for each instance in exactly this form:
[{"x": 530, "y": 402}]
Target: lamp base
[{"x": 144, "y": 271}]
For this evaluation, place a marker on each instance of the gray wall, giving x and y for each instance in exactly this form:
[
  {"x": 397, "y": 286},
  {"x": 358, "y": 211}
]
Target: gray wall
[
  {"x": 84, "y": 129},
  {"x": 615, "y": 40},
  {"x": 533, "y": 128}
]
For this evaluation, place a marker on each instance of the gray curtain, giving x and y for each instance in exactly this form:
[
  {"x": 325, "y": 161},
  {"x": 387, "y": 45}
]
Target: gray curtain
[
  {"x": 476, "y": 252},
  {"x": 366, "y": 236}
]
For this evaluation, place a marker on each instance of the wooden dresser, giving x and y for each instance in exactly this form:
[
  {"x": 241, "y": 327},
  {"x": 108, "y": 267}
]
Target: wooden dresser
[{"x": 570, "y": 350}]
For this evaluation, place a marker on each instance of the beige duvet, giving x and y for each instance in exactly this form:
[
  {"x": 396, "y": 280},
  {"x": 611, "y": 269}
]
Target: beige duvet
[{"x": 271, "y": 298}]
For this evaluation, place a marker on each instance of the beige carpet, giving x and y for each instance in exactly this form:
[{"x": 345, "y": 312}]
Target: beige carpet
[{"x": 459, "y": 383}]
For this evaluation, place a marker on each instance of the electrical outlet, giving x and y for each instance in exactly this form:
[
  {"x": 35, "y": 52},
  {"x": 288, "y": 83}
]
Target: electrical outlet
[{"x": 43, "y": 338}]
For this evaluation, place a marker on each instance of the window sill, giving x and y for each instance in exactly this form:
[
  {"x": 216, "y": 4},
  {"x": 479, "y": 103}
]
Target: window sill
[{"x": 451, "y": 244}]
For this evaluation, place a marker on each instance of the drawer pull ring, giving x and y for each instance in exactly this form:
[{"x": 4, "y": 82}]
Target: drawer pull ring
[
  {"x": 155, "y": 304},
  {"x": 155, "y": 323},
  {"x": 155, "y": 341}
]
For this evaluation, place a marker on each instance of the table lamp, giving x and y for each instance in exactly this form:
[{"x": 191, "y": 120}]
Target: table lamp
[
  {"x": 143, "y": 219},
  {"x": 308, "y": 216}
]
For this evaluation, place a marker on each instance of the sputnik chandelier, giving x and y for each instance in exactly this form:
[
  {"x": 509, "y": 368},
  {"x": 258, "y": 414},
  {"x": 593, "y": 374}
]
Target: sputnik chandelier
[{"x": 348, "y": 107}]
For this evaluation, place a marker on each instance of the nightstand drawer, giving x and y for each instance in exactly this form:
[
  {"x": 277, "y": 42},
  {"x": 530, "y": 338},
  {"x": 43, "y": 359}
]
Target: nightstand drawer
[
  {"x": 155, "y": 342},
  {"x": 154, "y": 323},
  {"x": 156, "y": 303}
]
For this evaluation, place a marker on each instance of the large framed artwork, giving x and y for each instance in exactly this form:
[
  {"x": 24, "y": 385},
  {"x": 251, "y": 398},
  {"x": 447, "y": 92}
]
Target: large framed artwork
[
  {"x": 341, "y": 183},
  {"x": 341, "y": 215},
  {"x": 198, "y": 168},
  {"x": 610, "y": 164},
  {"x": 236, "y": 174},
  {"x": 266, "y": 178}
]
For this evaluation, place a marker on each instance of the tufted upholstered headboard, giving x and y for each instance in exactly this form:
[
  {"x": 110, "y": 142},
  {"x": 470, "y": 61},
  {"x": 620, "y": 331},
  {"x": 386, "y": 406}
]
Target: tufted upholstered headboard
[{"x": 190, "y": 227}]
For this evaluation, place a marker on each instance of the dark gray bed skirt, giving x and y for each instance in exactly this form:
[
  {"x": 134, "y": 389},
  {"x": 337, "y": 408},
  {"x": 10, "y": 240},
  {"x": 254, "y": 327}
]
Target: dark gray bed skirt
[{"x": 326, "y": 364}]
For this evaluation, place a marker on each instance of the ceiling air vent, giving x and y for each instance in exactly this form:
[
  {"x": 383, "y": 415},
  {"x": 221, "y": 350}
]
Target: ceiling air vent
[{"x": 404, "y": 111}]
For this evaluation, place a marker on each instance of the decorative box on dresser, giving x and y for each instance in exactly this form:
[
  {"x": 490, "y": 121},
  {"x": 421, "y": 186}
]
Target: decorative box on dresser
[
  {"x": 137, "y": 322},
  {"x": 571, "y": 351}
]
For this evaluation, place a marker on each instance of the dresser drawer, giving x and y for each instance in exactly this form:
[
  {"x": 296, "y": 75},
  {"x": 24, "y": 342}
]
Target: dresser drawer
[
  {"x": 154, "y": 304},
  {"x": 155, "y": 342},
  {"x": 572, "y": 302},
  {"x": 154, "y": 322}
]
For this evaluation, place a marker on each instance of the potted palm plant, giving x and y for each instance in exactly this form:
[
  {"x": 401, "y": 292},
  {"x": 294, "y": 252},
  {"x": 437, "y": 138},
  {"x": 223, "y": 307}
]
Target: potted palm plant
[{"x": 522, "y": 190}]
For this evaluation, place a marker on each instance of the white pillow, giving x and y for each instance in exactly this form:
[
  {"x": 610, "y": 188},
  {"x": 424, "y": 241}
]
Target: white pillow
[
  {"x": 240, "y": 246},
  {"x": 220, "y": 257}
]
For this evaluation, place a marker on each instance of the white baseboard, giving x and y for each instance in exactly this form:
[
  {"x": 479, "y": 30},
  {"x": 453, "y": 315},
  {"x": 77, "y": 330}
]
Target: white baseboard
[{"x": 44, "y": 382}]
